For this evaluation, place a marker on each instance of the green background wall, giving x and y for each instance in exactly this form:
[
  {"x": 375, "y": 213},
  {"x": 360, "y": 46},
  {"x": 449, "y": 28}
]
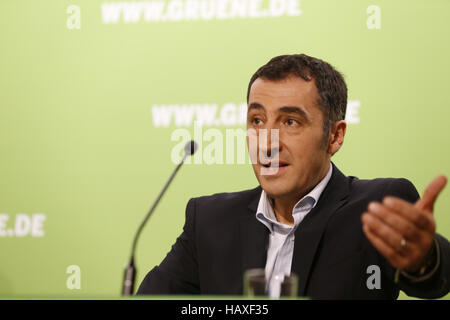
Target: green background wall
[{"x": 79, "y": 144}]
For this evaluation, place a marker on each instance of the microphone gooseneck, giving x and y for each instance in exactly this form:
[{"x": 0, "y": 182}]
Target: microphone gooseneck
[{"x": 130, "y": 270}]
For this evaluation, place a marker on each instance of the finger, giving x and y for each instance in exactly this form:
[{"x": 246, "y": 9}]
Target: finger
[
  {"x": 422, "y": 220},
  {"x": 394, "y": 258},
  {"x": 431, "y": 193},
  {"x": 394, "y": 220},
  {"x": 388, "y": 235}
]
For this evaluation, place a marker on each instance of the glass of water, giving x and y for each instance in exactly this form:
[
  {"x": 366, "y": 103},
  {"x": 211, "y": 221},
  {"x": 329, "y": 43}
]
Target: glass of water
[{"x": 255, "y": 285}]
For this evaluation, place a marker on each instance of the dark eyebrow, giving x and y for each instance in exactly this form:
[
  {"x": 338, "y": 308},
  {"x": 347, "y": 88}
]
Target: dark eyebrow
[
  {"x": 296, "y": 110},
  {"x": 286, "y": 109},
  {"x": 257, "y": 106}
]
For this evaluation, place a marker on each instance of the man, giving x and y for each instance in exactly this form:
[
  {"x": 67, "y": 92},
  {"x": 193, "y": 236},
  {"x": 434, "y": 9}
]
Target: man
[{"x": 306, "y": 217}]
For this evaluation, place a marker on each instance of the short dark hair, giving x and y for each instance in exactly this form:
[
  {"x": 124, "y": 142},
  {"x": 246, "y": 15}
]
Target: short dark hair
[{"x": 329, "y": 82}]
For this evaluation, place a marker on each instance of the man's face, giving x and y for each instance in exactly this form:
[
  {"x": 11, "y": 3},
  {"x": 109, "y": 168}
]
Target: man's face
[{"x": 289, "y": 105}]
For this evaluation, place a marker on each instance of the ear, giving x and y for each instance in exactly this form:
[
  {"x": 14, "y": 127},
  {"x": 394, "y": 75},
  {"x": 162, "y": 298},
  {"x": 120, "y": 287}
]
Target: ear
[{"x": 337, "y": 135}]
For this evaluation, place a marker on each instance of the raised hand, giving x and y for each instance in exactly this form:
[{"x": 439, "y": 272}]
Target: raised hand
[{"x": 401, "y": 231}]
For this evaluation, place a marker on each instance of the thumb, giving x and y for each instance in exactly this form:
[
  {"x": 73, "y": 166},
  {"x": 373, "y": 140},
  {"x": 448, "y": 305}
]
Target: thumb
[{"x": 430, "y": 194}]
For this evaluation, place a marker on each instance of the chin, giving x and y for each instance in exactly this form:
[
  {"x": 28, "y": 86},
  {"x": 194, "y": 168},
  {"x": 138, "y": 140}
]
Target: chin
[{"x": 276, "y": 190}]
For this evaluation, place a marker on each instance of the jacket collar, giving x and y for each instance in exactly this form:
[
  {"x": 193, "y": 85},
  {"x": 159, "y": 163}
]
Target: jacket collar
[{"x": 254, "y": 236}]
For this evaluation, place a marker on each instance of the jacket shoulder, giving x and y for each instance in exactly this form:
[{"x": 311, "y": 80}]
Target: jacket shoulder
[
  {"x": 213, "y": 208},
  {"x": 226, "y": 199},
  {"x": 382, "y": 187}
]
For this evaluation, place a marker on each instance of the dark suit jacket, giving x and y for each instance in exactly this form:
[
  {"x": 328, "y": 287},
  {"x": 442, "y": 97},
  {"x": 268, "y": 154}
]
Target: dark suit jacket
[{"x": 222, "y": 238}]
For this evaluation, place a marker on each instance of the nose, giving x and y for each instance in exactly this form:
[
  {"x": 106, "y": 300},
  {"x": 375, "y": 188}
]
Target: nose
[{"x": 269, "y": 142}]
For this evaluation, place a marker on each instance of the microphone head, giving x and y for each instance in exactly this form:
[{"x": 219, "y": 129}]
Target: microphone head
[{"x": 190, "y": 148}]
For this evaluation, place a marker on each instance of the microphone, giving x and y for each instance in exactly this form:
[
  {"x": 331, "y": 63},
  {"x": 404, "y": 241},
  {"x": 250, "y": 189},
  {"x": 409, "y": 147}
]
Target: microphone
[{"x": 130, "y": 270}]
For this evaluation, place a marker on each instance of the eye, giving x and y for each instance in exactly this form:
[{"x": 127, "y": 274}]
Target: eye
[
  {"x": 256, "y": 121},
  {"x": 291, "y": 122}
]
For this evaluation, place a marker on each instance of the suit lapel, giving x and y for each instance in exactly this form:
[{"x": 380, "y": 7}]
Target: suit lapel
[
  {"x": 310, "y": 230},
  {"x": 254, "y": 237}
]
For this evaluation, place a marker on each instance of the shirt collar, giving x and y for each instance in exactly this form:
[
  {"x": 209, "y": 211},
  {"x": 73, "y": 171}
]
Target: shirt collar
[{"x": 266, "y": 215}]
